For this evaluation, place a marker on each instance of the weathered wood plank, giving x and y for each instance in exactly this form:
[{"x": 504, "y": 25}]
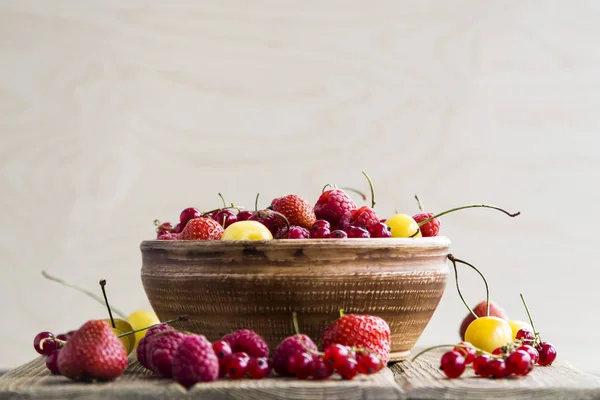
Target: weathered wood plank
[{"x": 423, "y": 379}]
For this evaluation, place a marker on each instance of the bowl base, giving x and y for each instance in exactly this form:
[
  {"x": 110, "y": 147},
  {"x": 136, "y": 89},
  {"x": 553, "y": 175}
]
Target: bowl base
[{"x": 399, "y": 355}]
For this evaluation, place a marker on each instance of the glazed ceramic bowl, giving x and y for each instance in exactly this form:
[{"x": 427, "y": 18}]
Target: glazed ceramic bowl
[{"x": 227, "y": 285}]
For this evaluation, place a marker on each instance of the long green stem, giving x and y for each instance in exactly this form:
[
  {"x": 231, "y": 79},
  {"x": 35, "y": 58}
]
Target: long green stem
[
  {"x": 358, "y": 192},
  {"x": 469, "y": 206},
  {"x": 223, "y": 200},
  {"x": 535, "y": 332},
  {"x": 180, "y": 318},
  {"x": 451, "y": 258},
  {"x": 487, "y": 288},
  {"x": 421, "y": 208},
  {"x": 82, "y": 290},
  {"x": 372, "y": 189},
  {"x": 102, "y": 285},
  {"x": 439, "y": 346}
]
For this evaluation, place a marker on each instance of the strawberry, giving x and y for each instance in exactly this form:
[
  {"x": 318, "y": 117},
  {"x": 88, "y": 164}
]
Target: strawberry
[
  {"x": 332, "y": 205},
  {"x": 297, "y": 210},
  {"x": 203, "y": 228},
  {"x": 365, "y": 217},
  {"x": 361, "y": 331},
  {"x": 93, "y": 353},
  {"x": 431, "y": 228}
]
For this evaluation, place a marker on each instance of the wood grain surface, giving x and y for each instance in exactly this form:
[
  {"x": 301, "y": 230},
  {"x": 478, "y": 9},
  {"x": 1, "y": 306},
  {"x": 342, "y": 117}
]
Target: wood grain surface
[{"x": 404, "y": 380}]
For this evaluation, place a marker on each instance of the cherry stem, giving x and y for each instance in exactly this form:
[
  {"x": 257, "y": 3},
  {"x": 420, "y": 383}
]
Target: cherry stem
[
  {"x": 297, "y": 331},
  {"x": 487, "y": 288},
  {"x": 372, "y": 189},
  {"x": 451, "y": 258},
  {"x": 102, "y": 284},
  {"x": 529, "y": 316},
  {"x": 84, "y": 291},
  {"x": 416, "y": 232},
  {"x": 223, "y": 200},
  {"x": 465, "y": 207},
  {"x": 358, "y": 192},
  {"x": 455, "y": 345},
  {"x": 215, "y": 210},
  {"x": 256, "y": 202},
  {"x": 421, "y": 208},
  {"x": 266, "y": 213},
  {"x": 326, "y": 186},
  {"x": 180, "y": 318}
]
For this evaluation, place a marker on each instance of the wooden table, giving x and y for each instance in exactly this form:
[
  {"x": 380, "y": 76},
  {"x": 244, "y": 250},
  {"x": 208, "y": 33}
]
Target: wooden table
[{"x": 404, "y": 380}]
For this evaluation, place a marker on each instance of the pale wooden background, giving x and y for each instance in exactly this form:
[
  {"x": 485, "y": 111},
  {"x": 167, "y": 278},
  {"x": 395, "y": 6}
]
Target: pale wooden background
[{"x": 113, "y": 113}]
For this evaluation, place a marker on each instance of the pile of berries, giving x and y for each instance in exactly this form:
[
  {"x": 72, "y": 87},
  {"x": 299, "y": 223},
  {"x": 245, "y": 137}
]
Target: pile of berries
[
  {"x": 49, "y": 345},
  {"x": 517, "y": 358}
]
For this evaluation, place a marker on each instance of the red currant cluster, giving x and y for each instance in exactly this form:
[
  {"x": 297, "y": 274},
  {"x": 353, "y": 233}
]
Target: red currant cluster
[
  {"x": 46, "y": 344},
  {"x": 517, "y": 358},
  {"x": 239, "y": 365}
]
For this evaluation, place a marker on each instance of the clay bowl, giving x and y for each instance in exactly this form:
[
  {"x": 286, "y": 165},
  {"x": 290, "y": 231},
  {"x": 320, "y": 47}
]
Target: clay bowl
[{"x": 224, "y": 286}]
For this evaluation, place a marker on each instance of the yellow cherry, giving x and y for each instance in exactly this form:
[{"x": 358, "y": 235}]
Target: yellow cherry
[
  {"x": 516, "y": 325},
  {"x": 403, "y": 226},
  {"x": 488, "y": 333},
  {"x": 247, "y": 230},
  {"x": 140, "y": 319},
  {"x": 122, "y": 326}
]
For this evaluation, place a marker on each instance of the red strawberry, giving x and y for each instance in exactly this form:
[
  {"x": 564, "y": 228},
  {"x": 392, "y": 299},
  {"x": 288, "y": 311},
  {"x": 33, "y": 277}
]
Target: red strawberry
[
  {"x": 332, "y": 205},
  {"x": 203, "y": 228},
  {"x": 93, "y": 353},
  {"x": 297, "y": 210},
  {"x": 432, "y": 228},
  {"x": 362, "y": 331},
  {"x": 364, "y": 217}
]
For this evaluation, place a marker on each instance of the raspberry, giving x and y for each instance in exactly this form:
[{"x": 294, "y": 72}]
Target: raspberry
[
  {"x": 332, "y": 205},
  {"x": 160, "y": 350},
  {"x": 297, "y": 210},
  {"x": 364, "y": 217},
  {"x": 142, "y": 349},
  {"x": 195, "y": 361},
  {"x": 295, "y": 232},
  {"x": 357, "y": 232},
  {"x": 432, "y": 228},
  {"x": 247, "y": 341},
  {"x": 380, "y": 230},
  {"x": 168, "y": 236},
  {"x": 289, "y": 347}
]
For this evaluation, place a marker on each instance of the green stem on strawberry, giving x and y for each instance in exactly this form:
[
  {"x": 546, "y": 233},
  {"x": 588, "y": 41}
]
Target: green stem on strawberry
[
  {"x": 421, "y": 208},
  {"x": 80, "y": 289},
  {"x": 372, "y": 189},
  {"x": 439, "y": 346},
  {"x": 487, "y": 288},
  {"x": 469, "y": 206},
  {"x": 171, "y": 321},
  {"x": 341, "y": 313},
  {"x": 535, "y": 332},
  {"x": 451, "y": 258},
  {"x": 112, "y": 320}
]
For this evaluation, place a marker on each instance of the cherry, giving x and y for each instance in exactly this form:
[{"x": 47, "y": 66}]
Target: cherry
[
  {"x": 237, "y": 365},
  {"x": 258, "y": 368},
  {"x": 518, "y": 362},
  {"x": 335, "y": 355},
  {"x": 299, "y": 364},
  {"x": 533, "y": 353},
  {"x": 62, "y": 336},
  {"x": 357, "y": 232},
  {"x": 369, "y": 364},
  {"x": 348, "y": 369},
  {"x": 380, "y": 230},
  {"x": 469, "y": 352},
  {"x": 480, "y": 365},
  {"x": 453, "y": 364},
  {"x": 47, "y": 346},
  {"x": 179, "y": 228},
  {"x": 321, "y": 223},
  {"x": 547, "y": 353},
  {"x": 187, "y": 214},
  {"x": 52, "y": 362},
  {"x": 524, "y": 335},
  {"x": 497, "y": 368},
  {"x": 338, "y": 234},
  {"x": 320, "y": 233},
  {"x": 319, "y": 369},
  {"x": 224, "y": 217},
  {"x": 222, "y": 350},
  {"x": 245, "y": 215}
]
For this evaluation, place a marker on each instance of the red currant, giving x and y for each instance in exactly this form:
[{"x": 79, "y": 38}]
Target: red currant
[
  {"x": 480, "y": 365},
  {"x": 222, "y": 350},
  {"x": 319, "y": 369},
  {"x": 164, "y": 228},
  {"x": 547, "y": 353},
  {"x": 245, "y": 215},
  {"x": 47, "y": 346},
  {"x": 187, "y": 214},
  {"x": 499, "y": 351},
  {"x": 258, "y": 368},
  {"x": 380, "y": 230},
  {"x": 524, "y": 335},
  {"x": 335, "y": 355},
  {"x": 299, "y": 364},
  {"x": 321, "y": 223},
  {"x": 497, "y": 368},
  {"x": 369, "y": 364},
  {"x": 348, "y": 369},
  {"x": 237, "y": 365},
  {"x": 224, "y": 217},
  {"x": 321, "y": 233},
  {"x": 533, "y": 353},
  {"x": 356, "y": 232},
  {"x": 469, "y": 352},
  {"x": 52, "y": 362},
  {"x": 338, "y": 234},
  {"x": 453, "y": 364},
  {"x": 518, "y": 362}
]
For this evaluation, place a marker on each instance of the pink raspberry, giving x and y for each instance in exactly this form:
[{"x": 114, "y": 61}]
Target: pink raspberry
[
  {"x": 142, "y": 346},
  {"x": 169, "y": 236},
  {"x": 289, "y": 347},
  {"x": 295, "y": 232},
  {"x": 432, "y": 228},
  {"x": 332, "y": 205},
  {"x": 364, "y": 217},
  {"x": 195, "y": 361},
  {"x": 160, "y": 350},
  {"x": 247, "y": 341}
]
